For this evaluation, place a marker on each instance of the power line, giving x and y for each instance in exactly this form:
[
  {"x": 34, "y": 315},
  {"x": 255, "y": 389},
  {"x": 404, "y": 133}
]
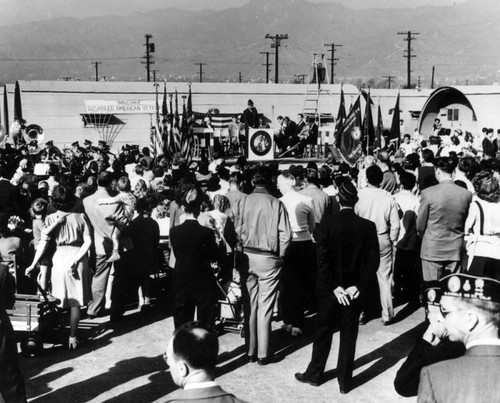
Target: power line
[
  {"x": 276, "y": 45},
  {"x": 389, "y": 80},
  {"x": 408, "y": 55},
  {"x": 201, "y": 70},
  {"x": 96, "y": 70},
  {"x": 333, "y": 60}
]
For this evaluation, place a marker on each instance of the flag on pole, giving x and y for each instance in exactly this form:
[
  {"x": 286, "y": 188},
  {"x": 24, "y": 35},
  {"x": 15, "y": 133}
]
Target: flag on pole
[
  {"x": 395, "y": 133},
  {"x": 350, "y": 137},
  {"x": 187, "y": 127},
  {"x": 379, "y": 142},
  {"x": 368, "y": 129},
  {"x": 340, "y": 117},
  {"x": 176, "y": 127},
  {"x": 164, "y": 110}
]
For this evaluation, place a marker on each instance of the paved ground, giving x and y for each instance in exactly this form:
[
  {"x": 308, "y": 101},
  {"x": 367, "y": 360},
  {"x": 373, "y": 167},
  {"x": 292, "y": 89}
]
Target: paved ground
[{"x": 123, "y": 363}]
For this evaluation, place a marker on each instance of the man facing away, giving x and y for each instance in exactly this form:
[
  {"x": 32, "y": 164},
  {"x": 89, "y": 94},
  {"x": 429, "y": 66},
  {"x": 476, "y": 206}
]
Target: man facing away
[
  {"x": 265, "y": 236},
  {"x": 102, "y": 236},
  {"x": 379, "y": 206},
  {"x": 348, "y": 256},
  {"x": 470, "y": 306},
  {"x": 441, "y": 221},
  {"x": 192, "y": 357}
]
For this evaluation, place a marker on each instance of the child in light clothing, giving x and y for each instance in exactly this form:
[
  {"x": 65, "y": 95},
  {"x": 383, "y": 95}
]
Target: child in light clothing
[{"x": 123, "y": 215}]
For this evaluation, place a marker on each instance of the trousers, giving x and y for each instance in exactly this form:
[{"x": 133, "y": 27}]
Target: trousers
[
  {"x": 384, "y": 277},
  {"x": 331, "y": 316},
  {"x": 262, "y": 284}
]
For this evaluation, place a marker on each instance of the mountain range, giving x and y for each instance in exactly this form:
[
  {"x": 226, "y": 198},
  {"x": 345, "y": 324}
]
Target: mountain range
[{"x": 460, "y": 40}]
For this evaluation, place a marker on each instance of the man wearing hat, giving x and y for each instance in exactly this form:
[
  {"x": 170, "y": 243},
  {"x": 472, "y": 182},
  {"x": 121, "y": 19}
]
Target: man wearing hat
[
  {"x": 348, "y": 257},
  {"x": 433, "y": 347},
  {"x": 470, "y": 306}
]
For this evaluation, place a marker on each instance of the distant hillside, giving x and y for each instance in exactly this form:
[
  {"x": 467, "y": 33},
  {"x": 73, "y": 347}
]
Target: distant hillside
[{"x": 458, "y": 40}]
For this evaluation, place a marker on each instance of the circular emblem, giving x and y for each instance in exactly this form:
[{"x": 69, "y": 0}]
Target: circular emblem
[
  {"x": 467, "y": 286},
  {"x": 260, "y": 143},
  {"x": 454, "y": 284},
  {"x": 356, "y": 133},
  {"x": 431, "y": 295}
]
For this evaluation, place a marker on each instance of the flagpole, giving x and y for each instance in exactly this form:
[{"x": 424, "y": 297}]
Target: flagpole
[
  {"x": 156, "y": 85},
  {"x": 368, "y": 132}
]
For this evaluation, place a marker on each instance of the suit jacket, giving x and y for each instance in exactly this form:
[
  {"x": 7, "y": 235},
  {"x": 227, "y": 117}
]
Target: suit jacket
[
  {"x": 471, "y": 378},
  {"x": 348, "y": 252},
  {"x": 441, "y": 221},
  {"x": 102, "y": 229},
  {"x": 10, "y": 198},
  {"x": 194, "y": 248},
  {"x": 212, "y": 394}
]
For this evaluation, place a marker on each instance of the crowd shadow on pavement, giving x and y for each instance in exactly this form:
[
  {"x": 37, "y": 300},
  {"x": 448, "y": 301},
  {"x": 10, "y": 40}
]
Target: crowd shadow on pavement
[
  {"x": 160, "y": 383},
  {"x": 94, "y": 335},
  {"x": 383, "y": 357}
]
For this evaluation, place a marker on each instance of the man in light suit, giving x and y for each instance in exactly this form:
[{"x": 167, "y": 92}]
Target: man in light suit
[
  {"x": 440, "y": 222},
  {"x": 470, "y": 306},
  {"x": 102, "y": 230},
  {"x": 192, "y": 356}
]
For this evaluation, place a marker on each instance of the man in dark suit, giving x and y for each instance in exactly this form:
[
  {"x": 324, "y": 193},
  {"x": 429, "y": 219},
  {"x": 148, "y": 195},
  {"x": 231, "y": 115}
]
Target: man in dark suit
[
  {"x": 348, "y": 257},
  {"x": 441, "y": 221},
  {"x": 192, "y": 356},
  {"x": 10, "y": 198},
  {"x": 470, "y": 306}
]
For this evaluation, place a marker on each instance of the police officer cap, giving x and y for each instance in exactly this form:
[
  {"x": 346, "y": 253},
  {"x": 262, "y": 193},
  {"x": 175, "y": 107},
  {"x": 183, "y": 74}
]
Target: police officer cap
[
  {"x": 74, "y": 144},
  {"x": 49, "y": 143},
  {"x": 473, "y": 287},
  {"x": 87, "y": 142}
]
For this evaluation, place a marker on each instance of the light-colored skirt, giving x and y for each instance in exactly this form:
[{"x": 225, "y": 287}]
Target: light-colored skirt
[{"x": 73, "y": 290}]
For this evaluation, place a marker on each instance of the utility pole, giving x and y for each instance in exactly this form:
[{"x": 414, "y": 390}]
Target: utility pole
[
  {"x": 267, "y": 64},
  {"x": 333, "y": 60},
  {"x": 389, "y": 80},
  {"x": 239, "y": 77},
  {"x": 154, "y": 76},
  {"x": 418, "y": 82},
  {"x": 150, "y": 48},
  {"x": 276, "y": 44},
  {"x": 96, "y": 70},
  {"x": 432, "y": 79},
  {"x": 201, "y": 70},
  {"x": 409, "y": 37}
]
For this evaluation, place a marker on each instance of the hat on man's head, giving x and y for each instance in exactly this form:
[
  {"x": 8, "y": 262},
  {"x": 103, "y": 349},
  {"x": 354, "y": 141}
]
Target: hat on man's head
[
  {"x": 87, "y": 143},
  {"x": 75, "y": 144},
  {"x": 348, "y": 194},
  {"x": 298, "y": 171},
  {"x": 467, "y": 286},
  {"x": 432, "y": 294},
  {"x": 101, "y": 143},
  {"x": 49, "y": 143}
]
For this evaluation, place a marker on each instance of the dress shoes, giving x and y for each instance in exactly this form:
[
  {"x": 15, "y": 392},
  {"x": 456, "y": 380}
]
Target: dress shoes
[
  {"x": 273, "y": 359},
  {"x": 343, "y": 390},
  {"x": 363, "y": 319},
  {"x": 388, "y": 322},
  {"x": 251, "y": 358},
  {"x": 302, "y": 378}
]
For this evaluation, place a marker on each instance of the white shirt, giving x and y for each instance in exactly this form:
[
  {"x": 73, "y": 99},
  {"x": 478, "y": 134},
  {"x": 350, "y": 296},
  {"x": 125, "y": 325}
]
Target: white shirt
[
  {"x": 200, "y": 385},
  {"x": 406, "y": 201},
  {"x": 488, "y": 244},
  {"x": 301, "y": 215},
  {"x": 483, "y": 342}
]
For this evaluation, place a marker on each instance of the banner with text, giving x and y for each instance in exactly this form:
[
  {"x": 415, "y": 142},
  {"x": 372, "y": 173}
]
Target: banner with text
[{"x": 128, "y": 106}]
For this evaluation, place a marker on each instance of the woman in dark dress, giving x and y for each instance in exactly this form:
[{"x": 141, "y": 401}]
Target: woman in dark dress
[{"x": 194, "y": 246}]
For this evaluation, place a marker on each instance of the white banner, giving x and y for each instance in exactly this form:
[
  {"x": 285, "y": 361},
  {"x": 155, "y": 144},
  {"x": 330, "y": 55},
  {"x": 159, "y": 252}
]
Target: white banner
[{"x": 128, "y": 106}]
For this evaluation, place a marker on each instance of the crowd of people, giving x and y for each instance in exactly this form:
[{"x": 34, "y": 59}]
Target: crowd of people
[{"x": 344, "y": 243}]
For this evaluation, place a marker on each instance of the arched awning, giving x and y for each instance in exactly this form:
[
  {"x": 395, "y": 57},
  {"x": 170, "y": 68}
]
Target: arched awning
[{"x": 439, "y": 99}]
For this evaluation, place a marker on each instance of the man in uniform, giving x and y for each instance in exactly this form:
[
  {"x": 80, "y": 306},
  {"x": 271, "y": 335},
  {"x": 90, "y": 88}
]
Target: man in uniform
[
  {"x": 348, "y": 257},
  {"x": 470, "y": 306}
]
